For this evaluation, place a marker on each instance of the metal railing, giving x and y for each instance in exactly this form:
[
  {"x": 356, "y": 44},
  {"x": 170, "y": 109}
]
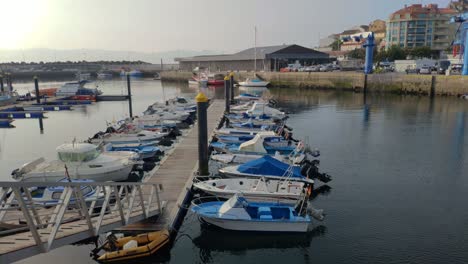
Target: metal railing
[{"x": 73, "y": 207}]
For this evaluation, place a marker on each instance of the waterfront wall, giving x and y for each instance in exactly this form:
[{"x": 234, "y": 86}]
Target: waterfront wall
[{"x": 455, "y": 85}]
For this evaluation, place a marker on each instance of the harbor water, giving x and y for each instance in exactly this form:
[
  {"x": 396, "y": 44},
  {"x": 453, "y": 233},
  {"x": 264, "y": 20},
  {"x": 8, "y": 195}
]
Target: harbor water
[{"x": 399, "y": 166}]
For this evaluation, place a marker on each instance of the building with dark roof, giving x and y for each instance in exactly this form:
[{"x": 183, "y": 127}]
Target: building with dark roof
[
  {"x": 270, "y": 58},
  {"x": 418, "y": 25}
]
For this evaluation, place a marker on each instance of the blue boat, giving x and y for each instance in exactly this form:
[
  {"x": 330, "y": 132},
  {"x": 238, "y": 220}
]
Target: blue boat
[
  {"x": 50, "y": 196},
  {"x": 272, "y": 168},
  {"x": 266, "y": 142},
  {"x": 239, "y": 214}
]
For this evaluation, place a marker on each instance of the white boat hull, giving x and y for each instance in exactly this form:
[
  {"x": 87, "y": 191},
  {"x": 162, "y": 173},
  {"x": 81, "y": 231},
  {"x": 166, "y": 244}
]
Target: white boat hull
[
  {"x": 120, "y": 174},
  {"x": 254, "y": 84},
  {"x": 259, "y": 226}
]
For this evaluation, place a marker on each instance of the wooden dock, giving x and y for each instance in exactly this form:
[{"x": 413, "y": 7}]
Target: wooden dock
[{"x": 176, "y": 173}]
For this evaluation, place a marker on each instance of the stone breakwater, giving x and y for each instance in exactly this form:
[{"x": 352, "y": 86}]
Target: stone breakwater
[{"x": 454, "y": 85}]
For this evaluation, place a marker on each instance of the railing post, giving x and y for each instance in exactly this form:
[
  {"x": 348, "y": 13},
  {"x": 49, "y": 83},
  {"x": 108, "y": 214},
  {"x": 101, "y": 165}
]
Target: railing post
[
  {"x": 119, "y": 203},
  {"x": 158, "y": 200},
  {"x": 29, "y": 220},
  {"x": 150, "y": 199},
  {"x": 84, "y": 211},
  {"x": 103, "y": 210},
  {"x": 7, "y": 203},
  {"x": 142, "y": 201},
  {"x": 33, "y": 210},
  {"x": 130, "y": 206},
  {"x": 61, "y": 212},
  {"x": 93, "y": 203}
]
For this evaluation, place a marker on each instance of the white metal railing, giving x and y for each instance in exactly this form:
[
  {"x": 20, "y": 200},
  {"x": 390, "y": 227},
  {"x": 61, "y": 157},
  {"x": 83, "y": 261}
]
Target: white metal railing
[{"x": 113, "y": 203}]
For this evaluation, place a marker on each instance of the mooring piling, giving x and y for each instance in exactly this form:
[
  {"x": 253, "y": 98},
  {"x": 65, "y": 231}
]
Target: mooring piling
[
  {"x": 231, "y": 86},
  {"x": 130, "y": 109},
  {"x": 36, "y": 88},
  {"x": 202, "y": 106},
  {"x": 1, "y": 83}
]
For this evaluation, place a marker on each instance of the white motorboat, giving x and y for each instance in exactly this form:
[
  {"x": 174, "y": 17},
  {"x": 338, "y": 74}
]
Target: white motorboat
[
  {"x": 165, "y": 115},
  {"x": 79, "y": 161},
  {"x": 254, "y": 83},
  {"x": 123, "y": 138},
  {"x": 282, "y": 191},
  {"x": 76, "y": 88},
  {"x": 7, "y": 98},
  {"x": 262, "y": 108},
  {"x": 239, "y": 214}
]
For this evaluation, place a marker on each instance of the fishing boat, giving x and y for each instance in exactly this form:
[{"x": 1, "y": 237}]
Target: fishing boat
[
  {"x": 159, "y": 115},
  {"x": 125, "y": 138},
  {"x": 131, "y": 247},
  {"x": 239, "y": 214},
  {"x": 282, "y": 191},
  {"x": 272, "y": 168},
  {"x": 263, "y": 108},
  {"x": 50, "y": 196},
  {"x": 144, "y": 150},
  {"x": 79, "y": 161}
]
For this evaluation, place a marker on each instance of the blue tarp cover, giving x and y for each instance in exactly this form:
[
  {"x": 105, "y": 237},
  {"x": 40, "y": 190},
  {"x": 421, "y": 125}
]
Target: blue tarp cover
[{"x": 268, "y": 166}]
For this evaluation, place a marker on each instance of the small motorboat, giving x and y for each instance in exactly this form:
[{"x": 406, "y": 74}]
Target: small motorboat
[
  {"x": 125, "y": 138},
  {"x": 282, "y": 191},
  {"x": 132, "y": 247},
  {"x": 247, "y": 97},
  {"x": 263, "y": 143},
  {"x": 133, "y": 73},
  {"x": 246, "y": 130},
  {"x": 104, "y": 75},
  {"x": 239, "y": 214},
  {"x": 465, "y": 96},
  {"x": 50, "y": 196},
  {"x": 77, "y": 89},
  {"x": 254, "y": 83},
  {"x": 293, "y": 157},
  {"x": 8, "y": 98},
  {"x": 79, "y": 161},
  {"x": 144, "y": 151},
  {"x": 270, "y": 168}
]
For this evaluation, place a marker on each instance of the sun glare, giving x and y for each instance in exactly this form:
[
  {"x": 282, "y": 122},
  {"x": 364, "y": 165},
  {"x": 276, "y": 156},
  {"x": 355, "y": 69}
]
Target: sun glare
[{"x": 19, "y": 19}]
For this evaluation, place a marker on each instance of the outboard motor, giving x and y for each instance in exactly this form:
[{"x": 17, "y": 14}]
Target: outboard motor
[
  {"x": 315, "y": 213},
  {"x": 310, "y": 170},
  {"x": 110, "y": 130}
]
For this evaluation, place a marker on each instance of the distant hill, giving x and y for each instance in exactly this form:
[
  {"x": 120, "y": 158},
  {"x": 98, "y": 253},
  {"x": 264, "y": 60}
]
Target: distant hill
[{"x": 48, "y": 55}]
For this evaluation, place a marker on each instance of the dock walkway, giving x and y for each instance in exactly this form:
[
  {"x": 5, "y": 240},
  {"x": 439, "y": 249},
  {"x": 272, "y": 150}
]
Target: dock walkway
[{"x": 176, "y": 172}]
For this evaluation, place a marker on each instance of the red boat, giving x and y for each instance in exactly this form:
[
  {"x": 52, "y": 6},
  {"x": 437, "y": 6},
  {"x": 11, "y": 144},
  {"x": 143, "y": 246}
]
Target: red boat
[
  {"x": 215, "y": 82},
  {"x": 215, "y": 79},
  {"x": 84, "y": 98}
]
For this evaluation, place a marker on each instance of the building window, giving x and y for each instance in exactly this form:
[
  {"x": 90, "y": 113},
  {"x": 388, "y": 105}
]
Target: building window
[
  {"x": 407, "y": 16},
  {"x": 422, "y": 16},
  {"x": 397, "y": 16}
]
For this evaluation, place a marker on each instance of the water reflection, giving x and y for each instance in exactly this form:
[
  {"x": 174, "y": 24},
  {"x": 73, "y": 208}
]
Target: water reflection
[{"x": 212, "y": 239}]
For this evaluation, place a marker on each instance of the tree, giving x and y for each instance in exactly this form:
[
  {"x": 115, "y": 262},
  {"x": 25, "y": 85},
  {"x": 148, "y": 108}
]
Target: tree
[
  {"x": 421, "y": 52},
  {"x": 357, "y": 54},
  {"x": 395, "y": 53},
  {"x": 335, "y": 45}
]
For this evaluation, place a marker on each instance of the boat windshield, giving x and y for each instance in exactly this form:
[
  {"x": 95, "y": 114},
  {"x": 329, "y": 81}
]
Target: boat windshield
[{"x": 78, "y": 157}]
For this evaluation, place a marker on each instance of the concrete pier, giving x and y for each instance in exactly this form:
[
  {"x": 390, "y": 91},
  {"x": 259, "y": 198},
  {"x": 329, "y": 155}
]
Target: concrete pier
[{"x": 454, "y": 85}]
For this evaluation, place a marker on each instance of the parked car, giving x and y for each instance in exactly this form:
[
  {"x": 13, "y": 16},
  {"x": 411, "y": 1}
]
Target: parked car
[
  {"x": 412, "y": 70},
  {"x": 442, "y": 66},
  {"x": 456, "y": 69},
  {"x": 326, "y": 68},
  {"x": 313, "y": 68},
  {"x": 425, "y": 70}
]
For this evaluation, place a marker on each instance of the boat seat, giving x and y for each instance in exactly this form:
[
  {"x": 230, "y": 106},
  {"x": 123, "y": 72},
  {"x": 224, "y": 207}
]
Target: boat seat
[{"x": 264, "y": 213}]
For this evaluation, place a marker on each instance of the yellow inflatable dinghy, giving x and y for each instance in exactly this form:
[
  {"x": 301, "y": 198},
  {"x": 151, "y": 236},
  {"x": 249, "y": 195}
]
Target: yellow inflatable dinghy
[{"x": 148, "y": 244}]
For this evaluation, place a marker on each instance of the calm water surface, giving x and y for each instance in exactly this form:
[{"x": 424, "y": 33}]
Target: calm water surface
[{"x": 398, "y": 195}]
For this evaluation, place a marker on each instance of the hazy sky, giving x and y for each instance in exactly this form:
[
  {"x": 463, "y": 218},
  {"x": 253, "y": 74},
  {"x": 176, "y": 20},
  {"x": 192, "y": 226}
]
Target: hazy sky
[{"x": 156, "y": 25}]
